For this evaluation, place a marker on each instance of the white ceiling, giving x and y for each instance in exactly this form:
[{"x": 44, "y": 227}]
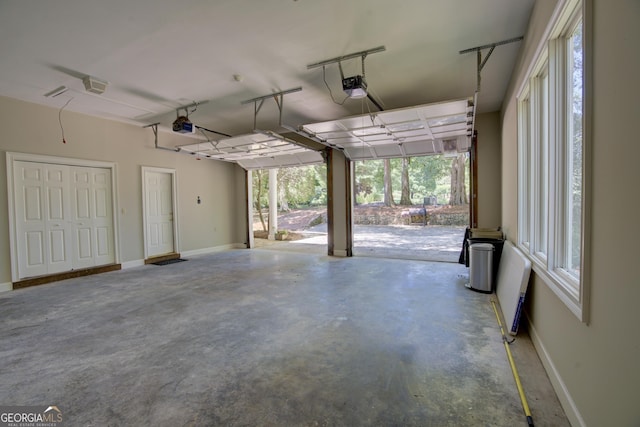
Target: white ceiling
[{"x": 159, "y": 55}]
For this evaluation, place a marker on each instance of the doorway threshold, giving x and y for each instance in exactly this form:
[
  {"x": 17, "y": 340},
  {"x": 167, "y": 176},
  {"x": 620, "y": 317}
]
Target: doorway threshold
[{"x": 161, "y": 258}]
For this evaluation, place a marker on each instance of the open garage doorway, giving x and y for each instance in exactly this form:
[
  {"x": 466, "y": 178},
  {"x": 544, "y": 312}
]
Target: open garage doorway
[
  {"x": 412, "y": 208},
  {"x": 300, "y": 208}
]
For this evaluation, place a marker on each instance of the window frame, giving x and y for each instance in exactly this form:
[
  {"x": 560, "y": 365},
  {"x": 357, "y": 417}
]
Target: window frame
[
  {"x": 538, "y": 105},
  {"x": 540, "y": 159},
  {"x": 524, "y": 181}
]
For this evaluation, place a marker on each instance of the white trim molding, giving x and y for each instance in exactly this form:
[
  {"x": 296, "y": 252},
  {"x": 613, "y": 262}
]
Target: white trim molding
[
  {"x": 132, "y": 264},
  {"x": 174, "y": 201},
  {"x": 569, "y": 406},
  {"x": 213, "y": 249}
]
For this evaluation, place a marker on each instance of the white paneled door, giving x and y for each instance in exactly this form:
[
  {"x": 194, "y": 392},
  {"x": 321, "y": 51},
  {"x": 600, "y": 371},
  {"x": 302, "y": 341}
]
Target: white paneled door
[
  {"x": 91, "y": 216},
  {"x": 159, "y": 212},
  {"x": 63, "y": 217}
]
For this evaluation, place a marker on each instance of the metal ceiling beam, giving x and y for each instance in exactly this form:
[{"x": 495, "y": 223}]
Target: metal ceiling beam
[
  {"x": 271, "y": 95},
  {"x": 487, "y": 46},
  {"x": 481, "y": 62},
  {"x": 195, "y": 104},
  {"x": 338, "y": 59}
]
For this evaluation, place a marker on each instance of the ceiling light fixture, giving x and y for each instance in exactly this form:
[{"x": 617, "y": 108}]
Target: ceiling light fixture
[{"x": 94, "y": 85}]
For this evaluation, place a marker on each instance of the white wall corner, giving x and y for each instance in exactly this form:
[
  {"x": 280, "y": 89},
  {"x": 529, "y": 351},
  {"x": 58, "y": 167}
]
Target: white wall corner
[
  {"x": 569, "y": 406},
  {"x": 131, "y": 264},
  {"x": 4, "y": 287}
]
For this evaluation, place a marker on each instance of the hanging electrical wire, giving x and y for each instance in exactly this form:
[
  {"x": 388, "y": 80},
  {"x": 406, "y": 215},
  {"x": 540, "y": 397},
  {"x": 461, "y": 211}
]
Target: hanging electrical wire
[
  {"x": 362, "y": 103},
  {"x": 202, "y": 132},
  {"x": 64, "y": 141},
  {"x": 324, "y": 77},
  {"x": 205, "y": 135}
]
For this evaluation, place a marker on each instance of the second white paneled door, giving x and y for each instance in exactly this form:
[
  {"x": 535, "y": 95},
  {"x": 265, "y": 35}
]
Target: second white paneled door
[
  {"x": 159, "y": 212},
  {"x": 91, "y": 218}
]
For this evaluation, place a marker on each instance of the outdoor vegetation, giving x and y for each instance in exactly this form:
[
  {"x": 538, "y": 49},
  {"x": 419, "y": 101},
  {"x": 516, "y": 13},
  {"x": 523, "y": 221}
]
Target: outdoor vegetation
[
  {"x": 390, "y": 182},
  {"x": 408, "y": 181}
]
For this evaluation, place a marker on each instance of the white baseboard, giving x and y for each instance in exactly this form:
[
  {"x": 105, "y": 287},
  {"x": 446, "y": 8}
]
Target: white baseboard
[
  {"x": 213, "y": 249},
  {"x": 4, "y": 287},
  {"x": 569, "y": 406},
  {"x": 203, "y": 251},
  {"x": 131, "y": 264}
]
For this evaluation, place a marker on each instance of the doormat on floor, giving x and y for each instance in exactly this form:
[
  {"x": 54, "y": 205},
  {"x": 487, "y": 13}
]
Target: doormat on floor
[{"x": 169, "y": 261}]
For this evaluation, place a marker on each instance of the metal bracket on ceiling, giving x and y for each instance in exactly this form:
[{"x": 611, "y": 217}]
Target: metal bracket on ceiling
[
  {"x": 278, "y": 97},
  {"x": 363, "y": 54},
  {"x": 194, "y": 105},
  {"x": 482, "y": 62},
  {"x": 154, "y": 128}
]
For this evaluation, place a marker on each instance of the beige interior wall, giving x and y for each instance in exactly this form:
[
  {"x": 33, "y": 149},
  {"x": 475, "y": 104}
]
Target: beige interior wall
[
  {"x": 488, "y": 155},
  {"x": 596, "y": 363},
  {"x": 34, "y": 129}
]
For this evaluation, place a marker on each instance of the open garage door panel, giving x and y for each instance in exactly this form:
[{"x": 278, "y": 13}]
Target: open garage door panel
[
  {"x": 441, "y": 128},
  {"x": 259, "y": 150}
]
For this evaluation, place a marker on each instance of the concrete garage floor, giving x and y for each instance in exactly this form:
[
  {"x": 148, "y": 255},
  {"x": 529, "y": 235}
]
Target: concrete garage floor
[
  {"x": 430, "y": 243},
  {"x": 268, "y": 338}
]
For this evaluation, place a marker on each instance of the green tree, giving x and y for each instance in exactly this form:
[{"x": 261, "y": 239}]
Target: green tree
[
  {"x": 388, "y": 188},
  {"x": 368, "y": 180},
  {"x": 424, "y": 178},
  {"x": 425, "y": 172},
  {"x": 296, "y": 186},
  {"x": 405, "y": 195},
  {"x": 320, "y": 185},
  {"x": 458, "y": 194},
  {"x": 260, "y": 187}
]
